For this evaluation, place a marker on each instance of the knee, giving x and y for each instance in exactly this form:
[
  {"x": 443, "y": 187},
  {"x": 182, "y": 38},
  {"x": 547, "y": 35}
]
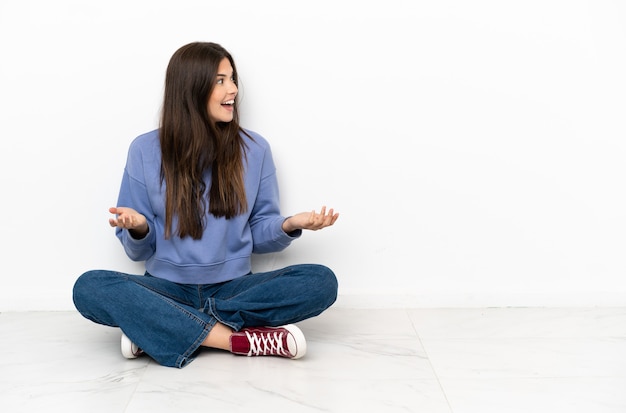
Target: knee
[
  {"x": 81, "y": 287},
  {"x": 331, "y": 278},
  {"x": 91, "y": 295},
  {"x": 88, "y": 286},
  {"x": 85, "y": 282},
  {"x": 327, "y": 283}
]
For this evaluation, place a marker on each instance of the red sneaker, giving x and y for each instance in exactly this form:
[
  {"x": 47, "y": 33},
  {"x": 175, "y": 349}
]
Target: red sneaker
[{"x": 285, "y": 341}]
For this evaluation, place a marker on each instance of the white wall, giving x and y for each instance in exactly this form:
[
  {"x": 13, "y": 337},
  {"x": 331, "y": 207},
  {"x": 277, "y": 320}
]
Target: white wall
[{"x": 475, "y": 149}]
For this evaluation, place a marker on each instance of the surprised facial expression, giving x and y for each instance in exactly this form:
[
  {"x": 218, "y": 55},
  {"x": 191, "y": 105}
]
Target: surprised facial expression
[{"x": 221, "y": 104}]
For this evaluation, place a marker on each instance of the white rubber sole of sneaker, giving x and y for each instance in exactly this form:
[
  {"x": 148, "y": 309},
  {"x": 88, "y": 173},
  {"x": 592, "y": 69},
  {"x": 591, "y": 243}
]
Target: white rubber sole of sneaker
[
  {"x": 129, "y": 349},
  {"x": 296, "y": 343}
]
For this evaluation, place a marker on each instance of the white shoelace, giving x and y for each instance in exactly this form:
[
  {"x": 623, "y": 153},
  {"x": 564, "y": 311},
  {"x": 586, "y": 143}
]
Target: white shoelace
[{"x": 266, "y": 344}]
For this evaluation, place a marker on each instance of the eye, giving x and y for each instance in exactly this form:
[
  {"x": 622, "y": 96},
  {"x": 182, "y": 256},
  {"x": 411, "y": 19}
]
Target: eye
[{"x": 220, "y": 81}]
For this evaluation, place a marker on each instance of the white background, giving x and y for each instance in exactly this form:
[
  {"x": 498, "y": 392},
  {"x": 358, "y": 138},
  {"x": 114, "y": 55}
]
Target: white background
[{"x": 474, "y": 149}]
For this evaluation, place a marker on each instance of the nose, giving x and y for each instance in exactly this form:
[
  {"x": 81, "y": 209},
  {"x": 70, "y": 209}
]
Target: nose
[{"x": 232, "y": 89}]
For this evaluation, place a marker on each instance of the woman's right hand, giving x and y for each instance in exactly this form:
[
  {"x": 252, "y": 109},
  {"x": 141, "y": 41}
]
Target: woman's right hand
[{"x": 129, "y": 219}]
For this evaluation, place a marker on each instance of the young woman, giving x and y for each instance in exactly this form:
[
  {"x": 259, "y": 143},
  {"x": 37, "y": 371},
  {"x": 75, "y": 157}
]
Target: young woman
[{"x": 198, "y": 196}]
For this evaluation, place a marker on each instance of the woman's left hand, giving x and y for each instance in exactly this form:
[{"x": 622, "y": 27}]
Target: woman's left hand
[{"x": 310, "y": 220}]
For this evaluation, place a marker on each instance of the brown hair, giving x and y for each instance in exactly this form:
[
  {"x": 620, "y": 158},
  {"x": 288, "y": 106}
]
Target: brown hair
[{"x": 192, "y": 144}]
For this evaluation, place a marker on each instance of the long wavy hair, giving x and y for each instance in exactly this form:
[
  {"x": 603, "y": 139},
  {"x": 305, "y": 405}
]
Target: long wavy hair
[{"x": 192, "y": 144}]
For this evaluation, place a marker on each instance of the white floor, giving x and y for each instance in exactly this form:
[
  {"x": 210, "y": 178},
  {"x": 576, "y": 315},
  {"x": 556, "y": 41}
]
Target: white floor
[{"x": 416, "y": 360}]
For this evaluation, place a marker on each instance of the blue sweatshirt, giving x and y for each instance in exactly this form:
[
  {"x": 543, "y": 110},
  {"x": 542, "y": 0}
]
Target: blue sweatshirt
[{"x": 224, "y": 251}]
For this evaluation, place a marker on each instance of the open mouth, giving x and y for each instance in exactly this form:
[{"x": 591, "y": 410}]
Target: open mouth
[{"x": 228, "y": 103}]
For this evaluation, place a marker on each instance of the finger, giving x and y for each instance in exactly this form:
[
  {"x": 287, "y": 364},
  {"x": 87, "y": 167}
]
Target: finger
[
  {"x": 328, "y": 221},
  {"x": 321, "y": 219},
  {"x": 327, "y": 218}
]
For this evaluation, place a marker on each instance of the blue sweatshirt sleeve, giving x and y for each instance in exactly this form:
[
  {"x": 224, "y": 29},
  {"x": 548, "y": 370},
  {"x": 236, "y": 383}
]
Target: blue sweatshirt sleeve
[
  {"x": 266, "y": 220},
  {"x": 133, "y": 194}
]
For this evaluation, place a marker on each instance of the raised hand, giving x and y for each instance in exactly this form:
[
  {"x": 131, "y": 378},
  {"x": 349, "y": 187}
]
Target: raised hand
[
  {"x": 129, "y": 219},
  {"x": 310, "y": 220}
]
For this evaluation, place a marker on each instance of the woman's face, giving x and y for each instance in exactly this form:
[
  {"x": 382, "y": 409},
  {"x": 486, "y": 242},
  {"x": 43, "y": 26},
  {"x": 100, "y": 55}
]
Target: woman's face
[{"x": 221, "y": 104}]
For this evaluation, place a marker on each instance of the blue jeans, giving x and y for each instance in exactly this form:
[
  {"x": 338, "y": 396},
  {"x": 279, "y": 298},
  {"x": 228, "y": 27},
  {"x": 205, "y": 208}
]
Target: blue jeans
[{"x": 169, "y": 321}]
